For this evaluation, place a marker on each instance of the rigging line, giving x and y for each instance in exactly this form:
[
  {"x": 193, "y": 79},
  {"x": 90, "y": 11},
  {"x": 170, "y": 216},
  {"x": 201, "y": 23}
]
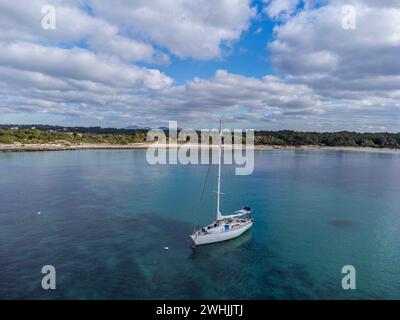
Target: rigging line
[{"x": 201, "y": 197}]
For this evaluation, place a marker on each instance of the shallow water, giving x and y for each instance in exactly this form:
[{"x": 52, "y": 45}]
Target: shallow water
[{"x": 106, "y": 216}]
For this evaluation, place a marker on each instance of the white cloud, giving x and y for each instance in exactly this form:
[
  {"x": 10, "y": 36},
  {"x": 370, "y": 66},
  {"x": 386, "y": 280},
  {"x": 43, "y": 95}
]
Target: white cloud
[
  {"x": 280, "y": 9},
  {"x": 190, "y": 28},
  {"x": 314, "y": 42},
  {"x": 360, "y": 67},
  {"x": 198, "y": 29},
  {"x": 20, "y": 20},
  {"x": 85, "y": 71},
  {"x": 238, "y": 98},
  {"x": 79, "y": 64}
]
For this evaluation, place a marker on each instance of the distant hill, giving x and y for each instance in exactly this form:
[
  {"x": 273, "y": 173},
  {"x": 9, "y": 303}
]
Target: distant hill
[
  {"x": 137, "y": 128},
  {"x": 94, "y": 130}
]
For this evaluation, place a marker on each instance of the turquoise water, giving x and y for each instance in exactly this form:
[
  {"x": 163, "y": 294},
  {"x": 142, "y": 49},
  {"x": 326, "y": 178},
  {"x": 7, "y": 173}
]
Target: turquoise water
[{"x": 106, "y": 217}]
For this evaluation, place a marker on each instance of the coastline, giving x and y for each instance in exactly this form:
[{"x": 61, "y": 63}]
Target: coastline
[{"x": 144, "y": 146}]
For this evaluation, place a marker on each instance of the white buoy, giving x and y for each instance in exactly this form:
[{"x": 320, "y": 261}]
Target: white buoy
[
  {"x": 39, "y": 212},
  {"x": 166, "y": 248}
]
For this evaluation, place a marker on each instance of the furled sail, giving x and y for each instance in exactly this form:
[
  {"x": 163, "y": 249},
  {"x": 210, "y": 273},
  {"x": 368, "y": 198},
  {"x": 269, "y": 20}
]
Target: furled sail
[{"x": 237, "y": 214}]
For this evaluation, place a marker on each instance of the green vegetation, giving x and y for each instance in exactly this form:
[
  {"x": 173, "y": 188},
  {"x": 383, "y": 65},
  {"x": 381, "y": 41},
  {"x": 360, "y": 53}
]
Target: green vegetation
[
  {"x": 336, "y": 139},
  {"x": 50, "y": 134},
  {"x": 35, "y": 136}
]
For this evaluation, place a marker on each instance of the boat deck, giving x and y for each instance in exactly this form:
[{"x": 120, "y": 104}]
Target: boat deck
[{"x": 225, "y": 225}]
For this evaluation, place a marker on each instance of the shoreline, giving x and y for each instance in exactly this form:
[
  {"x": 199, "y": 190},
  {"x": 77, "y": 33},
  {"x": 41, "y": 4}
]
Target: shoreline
[{"x": 143, "y": 146}]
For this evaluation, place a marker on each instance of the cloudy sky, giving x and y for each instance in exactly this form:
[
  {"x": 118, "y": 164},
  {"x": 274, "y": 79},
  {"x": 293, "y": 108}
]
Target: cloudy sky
[{"x": 266, "y": 64}]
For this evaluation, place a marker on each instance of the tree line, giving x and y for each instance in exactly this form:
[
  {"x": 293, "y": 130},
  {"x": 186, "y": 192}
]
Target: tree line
[
  {"x": 35, "y": 136},
  {"x": 47, "y": 134},
  {"x": 337, "y": 139}
]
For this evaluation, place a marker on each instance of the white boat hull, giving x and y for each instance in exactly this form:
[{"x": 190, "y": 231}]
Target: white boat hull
[{"x": 221, "y": 236}]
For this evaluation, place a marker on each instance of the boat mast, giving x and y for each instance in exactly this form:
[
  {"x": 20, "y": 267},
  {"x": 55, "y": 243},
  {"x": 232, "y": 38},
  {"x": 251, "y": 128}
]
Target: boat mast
[{"x": 219, "y": 171}]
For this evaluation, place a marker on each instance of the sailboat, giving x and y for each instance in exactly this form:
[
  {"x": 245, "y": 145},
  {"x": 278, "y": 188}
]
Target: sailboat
[{"x": 225, "y": 227}]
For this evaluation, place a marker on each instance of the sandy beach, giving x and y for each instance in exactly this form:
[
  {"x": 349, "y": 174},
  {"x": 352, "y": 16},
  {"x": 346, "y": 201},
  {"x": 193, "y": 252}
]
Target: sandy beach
[{"x": 17, "y": 147}]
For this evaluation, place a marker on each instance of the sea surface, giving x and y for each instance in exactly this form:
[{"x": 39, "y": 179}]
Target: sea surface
[{"x": 106, "y": 217}]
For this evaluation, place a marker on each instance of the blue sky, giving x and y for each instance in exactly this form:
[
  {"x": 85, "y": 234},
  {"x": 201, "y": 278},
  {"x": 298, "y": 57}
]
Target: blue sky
[
  {"x": 247, "y": 56},
  {"x": 265, "y": 64}
]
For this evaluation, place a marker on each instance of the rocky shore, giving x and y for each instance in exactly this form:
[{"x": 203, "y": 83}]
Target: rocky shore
[{"x": 17, "y": 147}]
